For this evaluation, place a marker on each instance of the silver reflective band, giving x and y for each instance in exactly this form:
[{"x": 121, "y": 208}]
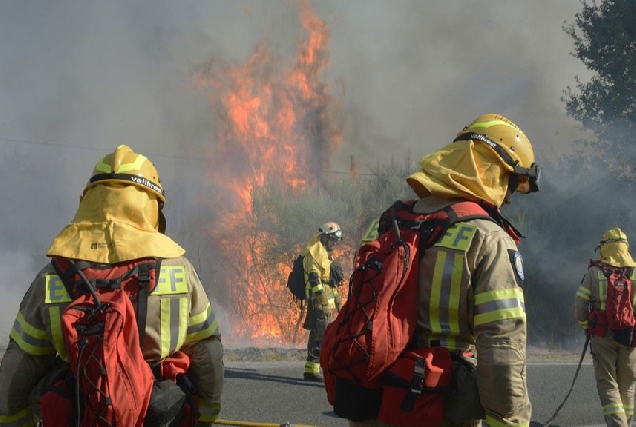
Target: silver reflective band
[{"x": 338, "y": 234}]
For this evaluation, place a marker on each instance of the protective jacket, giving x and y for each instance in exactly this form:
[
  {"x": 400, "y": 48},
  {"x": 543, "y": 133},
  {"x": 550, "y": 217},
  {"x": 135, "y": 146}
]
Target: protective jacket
[
  {"x": 179, "y": 317},
  {"x": 317, "y": 266},
  {"x": 471, "y": 300}
]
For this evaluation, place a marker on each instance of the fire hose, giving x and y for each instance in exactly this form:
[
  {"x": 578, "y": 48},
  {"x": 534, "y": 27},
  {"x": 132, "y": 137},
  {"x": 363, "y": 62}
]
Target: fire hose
[
  {"x": 257, "y": 424},
  {"x": 576, "y": 374}
]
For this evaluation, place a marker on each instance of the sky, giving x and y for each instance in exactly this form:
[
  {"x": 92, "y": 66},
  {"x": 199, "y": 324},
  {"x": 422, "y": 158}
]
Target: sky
[{"x": 79, "y": 78}]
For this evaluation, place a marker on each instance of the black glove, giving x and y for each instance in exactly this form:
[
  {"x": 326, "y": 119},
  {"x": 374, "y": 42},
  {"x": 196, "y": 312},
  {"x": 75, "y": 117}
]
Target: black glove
[{"x": 336, "y": 275}]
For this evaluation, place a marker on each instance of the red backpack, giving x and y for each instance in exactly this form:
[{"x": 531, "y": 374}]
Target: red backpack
[
  {"x": 619, "y": 307},
  {"x": 102, "y": 335},
  {"x": 376, "y": 323}
]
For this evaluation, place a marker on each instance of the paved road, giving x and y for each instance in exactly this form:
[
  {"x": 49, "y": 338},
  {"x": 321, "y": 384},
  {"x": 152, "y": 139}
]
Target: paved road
[{"x": 274, "y": 392}]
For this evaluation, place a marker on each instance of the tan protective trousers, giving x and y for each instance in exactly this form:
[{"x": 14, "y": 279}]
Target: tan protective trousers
[{"x": 615, "y": 373}]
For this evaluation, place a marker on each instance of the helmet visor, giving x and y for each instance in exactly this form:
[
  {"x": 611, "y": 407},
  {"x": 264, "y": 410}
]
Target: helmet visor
[
  {"x": 337, "y": 234},
  {"x": 527, "y": 180}
]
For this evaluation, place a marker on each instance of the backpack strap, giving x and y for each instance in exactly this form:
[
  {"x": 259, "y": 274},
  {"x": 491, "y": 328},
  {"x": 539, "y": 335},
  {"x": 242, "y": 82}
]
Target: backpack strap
[
  {"x": 608, "y": 270},
  {"x": 141, "y": 270},
  {"x": 75, "y": 267},
  {"x": 432, "y": 227}
]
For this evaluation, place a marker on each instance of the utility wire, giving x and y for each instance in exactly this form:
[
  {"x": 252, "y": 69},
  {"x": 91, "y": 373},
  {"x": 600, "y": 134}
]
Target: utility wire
[{"x": 150, "y": 154}]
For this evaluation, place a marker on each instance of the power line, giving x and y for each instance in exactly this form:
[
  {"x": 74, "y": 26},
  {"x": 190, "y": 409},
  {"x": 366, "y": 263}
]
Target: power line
[
  {"x": 80, "y": 147},
  {"x": 150, "y": 154}
]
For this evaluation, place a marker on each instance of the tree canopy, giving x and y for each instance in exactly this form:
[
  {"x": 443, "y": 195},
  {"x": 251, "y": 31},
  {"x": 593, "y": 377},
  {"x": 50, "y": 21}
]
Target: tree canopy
[{"x": 604, "y": 38}]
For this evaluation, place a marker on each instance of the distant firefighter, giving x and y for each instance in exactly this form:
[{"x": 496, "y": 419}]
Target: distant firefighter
[
  {"x": 604, "y": 307},
  {"x": 322, "y": 277}
]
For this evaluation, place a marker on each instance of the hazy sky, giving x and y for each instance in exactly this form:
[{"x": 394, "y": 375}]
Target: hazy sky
[{"x": 79, "y": 77}]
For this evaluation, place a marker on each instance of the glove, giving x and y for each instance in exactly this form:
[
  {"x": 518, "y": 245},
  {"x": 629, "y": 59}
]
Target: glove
[
  {"x": 338, "y": 301},
  {"x": 336, "y": 275}
]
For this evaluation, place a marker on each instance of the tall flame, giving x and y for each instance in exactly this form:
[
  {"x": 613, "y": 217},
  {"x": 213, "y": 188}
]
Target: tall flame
[{"x": 274, "y": 124}]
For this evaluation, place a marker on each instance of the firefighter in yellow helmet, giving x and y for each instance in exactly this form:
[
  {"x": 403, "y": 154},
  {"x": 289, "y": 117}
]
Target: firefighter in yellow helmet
[
  {"x": 119, "y": 220},
  {"x": 320, "y": 292},
  {"x": 613, "y": 354},
  {"x": 471, "y": 282}
]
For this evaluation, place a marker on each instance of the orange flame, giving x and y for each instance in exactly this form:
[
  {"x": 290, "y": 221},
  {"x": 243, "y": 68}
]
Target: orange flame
[{"x": 277, "y": 125}]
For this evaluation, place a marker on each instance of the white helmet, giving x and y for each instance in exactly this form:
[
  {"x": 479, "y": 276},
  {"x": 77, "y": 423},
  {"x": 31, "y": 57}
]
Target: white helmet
[{"x": 331, "y": 229}]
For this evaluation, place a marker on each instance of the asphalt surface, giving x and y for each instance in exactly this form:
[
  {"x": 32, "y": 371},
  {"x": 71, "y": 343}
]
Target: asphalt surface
[{"x": 274, "y": 393}]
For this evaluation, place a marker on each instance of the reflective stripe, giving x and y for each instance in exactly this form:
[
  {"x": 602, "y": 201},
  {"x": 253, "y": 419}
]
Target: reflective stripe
[
  {"x": 180, "y": 322},
  {"x": 584, "y": 293},
  {"x": 496, "y": 423},
  {"x": 372, "y": 231},
  {"x": 458, "y": 237},
  {"x": 498, "y": 305},
  {"x": 629, "y": 409},
  {"x": 490, "y": 123},
  {"x": 172, "y": 281},
  {"x": 312, "y": 368},
  {"x": 24, "y": 418},
  {"x": 31, "y": 340},
  {"x": 124, "y": 167},
  {"x": 202, "y": 325},
  {"x": 445, "y": 298},
  {"x": 454, "y": 297},
  {"x": 613, "y": 408},
  {"x": 316, "y": 289},
  {"x": 165, "y": 327},
  {"x": 602, "y": 288},
  {"x": 436, "y": 289},
  {"x": 174, "y": 324},
  {"x": 55, "y": 292},
  {"x": 209, "y": 412},
  {"x": 583, "y": 324},
  {"x": 55, "y": 320}
]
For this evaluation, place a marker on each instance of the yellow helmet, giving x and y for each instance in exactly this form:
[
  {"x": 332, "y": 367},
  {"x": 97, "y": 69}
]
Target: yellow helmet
[
  {"x": 331, "y": 229},
  {"x": 615, "y": 249},
  {"x": 511, "y": 146},
  {"x": 128, "y": 167},
  {"x": 613, "y": 236}
]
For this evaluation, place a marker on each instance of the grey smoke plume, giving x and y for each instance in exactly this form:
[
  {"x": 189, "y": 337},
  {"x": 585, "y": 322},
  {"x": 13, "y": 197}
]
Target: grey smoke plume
[{"x": 78, "y": 78}]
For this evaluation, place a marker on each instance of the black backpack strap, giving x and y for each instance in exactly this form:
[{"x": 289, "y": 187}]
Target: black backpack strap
[
  {"x": 416, "y": 387},
  {"x": 143, "y": 277},
  {"x": 76, "y": 267}
]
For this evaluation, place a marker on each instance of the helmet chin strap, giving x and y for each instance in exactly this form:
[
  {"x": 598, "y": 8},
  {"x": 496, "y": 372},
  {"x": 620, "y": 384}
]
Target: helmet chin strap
[{"x": 161, "y": 227}]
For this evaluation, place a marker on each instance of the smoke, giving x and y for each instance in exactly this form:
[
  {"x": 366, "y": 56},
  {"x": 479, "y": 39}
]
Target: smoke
[{"x": 78, "y": 78}]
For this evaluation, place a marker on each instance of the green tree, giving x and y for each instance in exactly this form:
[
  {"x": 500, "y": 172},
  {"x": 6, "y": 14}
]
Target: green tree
[{"x": 604, "y": 38}]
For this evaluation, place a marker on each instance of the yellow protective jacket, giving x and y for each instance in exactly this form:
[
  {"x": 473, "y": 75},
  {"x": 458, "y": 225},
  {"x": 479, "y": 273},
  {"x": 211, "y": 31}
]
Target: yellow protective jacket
[
  {"x": 471, "y": 299},
  {"x": 179, "y": 317},
  {"x": 317, "y": 260}
]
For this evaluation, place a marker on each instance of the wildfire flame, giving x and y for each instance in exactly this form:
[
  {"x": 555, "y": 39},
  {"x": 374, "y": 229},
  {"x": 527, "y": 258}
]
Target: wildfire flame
[{"x": 273, "y": 124}]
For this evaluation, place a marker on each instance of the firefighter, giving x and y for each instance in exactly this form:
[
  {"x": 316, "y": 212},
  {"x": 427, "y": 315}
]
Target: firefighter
[
  {"x": 321, "y": 292},
  {"x": 613, "y": 356},
  {"x": 471, "y": 280},
  {"x": 119, "y": 219}
]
